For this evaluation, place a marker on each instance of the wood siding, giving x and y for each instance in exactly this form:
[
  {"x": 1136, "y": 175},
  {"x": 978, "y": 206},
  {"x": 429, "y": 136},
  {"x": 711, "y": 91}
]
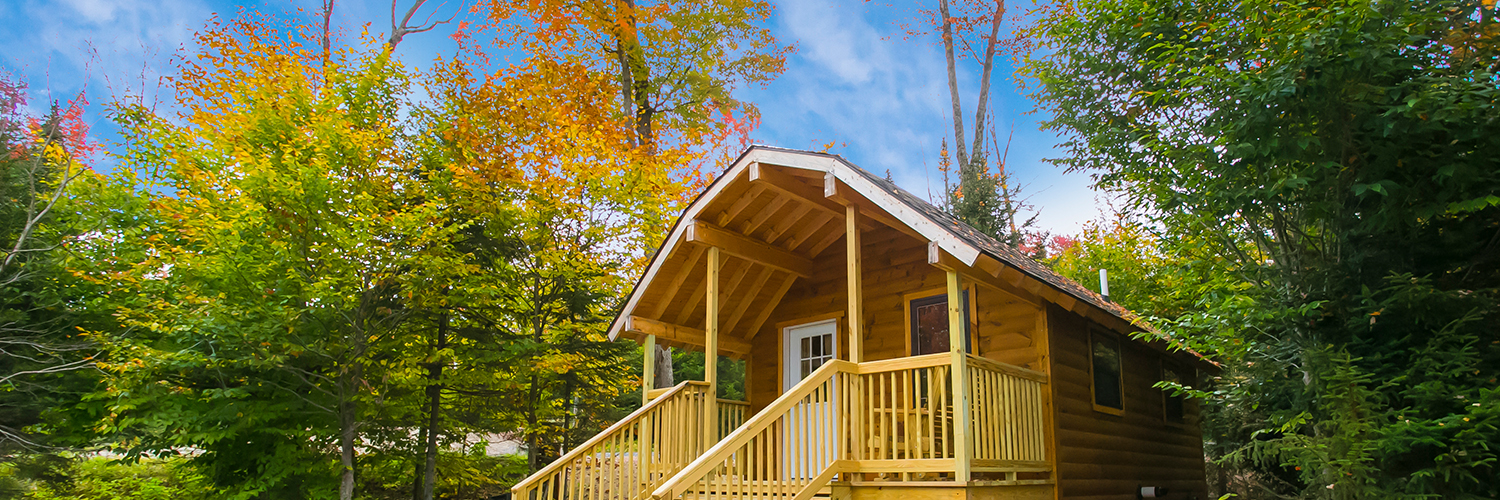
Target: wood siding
[{"x": 1103, "y": 456}]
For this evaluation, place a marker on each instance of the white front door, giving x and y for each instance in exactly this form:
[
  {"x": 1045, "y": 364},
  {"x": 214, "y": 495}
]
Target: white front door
[{"x": 806, "y": 440}]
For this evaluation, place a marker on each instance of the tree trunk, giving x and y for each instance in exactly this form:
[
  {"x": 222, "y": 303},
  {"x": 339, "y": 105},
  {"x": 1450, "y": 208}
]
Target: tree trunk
[
  {"x": 347, "y": 432},
  {"x": 984, "y": 82},
  {"x": 634, "y": 62},
  {"x": 434, "y": 402},
  {"x": 327, "y": 30},
  {"x": 532, "y": 451},
  {"x": 627, "y": 88},
  {"x": 958, "y": 111},
  {"x": 533, "y": 392},
  {"x": 416, "y": 476},
  {"x": 663, "y": 362}
]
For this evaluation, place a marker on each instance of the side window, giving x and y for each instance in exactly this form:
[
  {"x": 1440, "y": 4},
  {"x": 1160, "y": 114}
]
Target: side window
[
  {"x": 929, "y": 324},
  {"x": 1108, "y": 385},
  {"x": 1172, "y": 405}
]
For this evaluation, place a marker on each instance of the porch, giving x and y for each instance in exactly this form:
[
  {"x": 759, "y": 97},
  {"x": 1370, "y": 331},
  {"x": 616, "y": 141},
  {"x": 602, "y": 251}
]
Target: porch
[{"x": 849, "y": 430}]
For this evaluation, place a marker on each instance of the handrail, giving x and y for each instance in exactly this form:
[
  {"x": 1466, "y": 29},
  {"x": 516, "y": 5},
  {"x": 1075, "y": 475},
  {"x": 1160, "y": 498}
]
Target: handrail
[
  {"x": 1006, "y": 368},
  {"x": 888, "y": 365},
  {"x": 612, "y": 432},
  {"x": 725, "y": 448}
]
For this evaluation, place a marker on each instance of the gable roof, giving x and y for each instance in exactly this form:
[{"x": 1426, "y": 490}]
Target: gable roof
[{"x": 950, "y": 234}]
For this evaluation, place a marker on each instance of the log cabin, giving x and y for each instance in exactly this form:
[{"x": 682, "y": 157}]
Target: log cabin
[{"x": 891, "y": 351}]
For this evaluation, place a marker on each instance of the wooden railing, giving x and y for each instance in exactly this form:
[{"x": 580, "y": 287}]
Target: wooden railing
[
  {"x": 627, "y": 460},
  {"x": 881, "y": 418},
  {"x": 732, "y": 415},
  {"x": 1007, "y": 408},
  {"x": 902, "y": 420}
]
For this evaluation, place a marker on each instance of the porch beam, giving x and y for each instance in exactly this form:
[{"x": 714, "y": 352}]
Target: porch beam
[
  {"x": 684, "y": 336},
  {"x": 960, "y": 370},
  {"x": 941, "y": 259},
  {"x": 744, "y": 247}
]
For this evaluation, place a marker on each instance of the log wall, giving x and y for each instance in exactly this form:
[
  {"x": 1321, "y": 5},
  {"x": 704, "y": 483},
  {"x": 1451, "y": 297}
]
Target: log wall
[{"x": 1104, "y": 456}]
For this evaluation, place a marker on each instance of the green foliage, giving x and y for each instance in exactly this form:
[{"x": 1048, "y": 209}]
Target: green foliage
[
  {"x": 688, "y": 365},
  {"x": 1143, "y": 276},
  {"x": 1320, "y": 180},
  {"x": 108, "y": 479}
]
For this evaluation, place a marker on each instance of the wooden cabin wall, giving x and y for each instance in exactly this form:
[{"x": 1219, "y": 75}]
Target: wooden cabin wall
[
  {"x": 1104, "y": 456},
  {"x": 895, "y": 265}
]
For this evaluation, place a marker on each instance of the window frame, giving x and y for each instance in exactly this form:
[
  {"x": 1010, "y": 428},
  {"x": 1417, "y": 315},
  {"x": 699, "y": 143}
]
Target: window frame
[
  {"x": 972, "y": 313},
  {"x": 1095, "y": 333},
  {"x": 1184, "y": 375}
]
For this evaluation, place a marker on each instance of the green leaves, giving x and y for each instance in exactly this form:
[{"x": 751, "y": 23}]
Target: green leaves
[{"x": 1304, "y": 158}]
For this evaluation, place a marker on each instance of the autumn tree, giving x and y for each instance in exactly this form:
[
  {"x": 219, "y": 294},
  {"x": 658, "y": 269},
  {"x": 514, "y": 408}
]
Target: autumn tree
[
  {"x": 43, "y": 162},
  {"x": 675, "y": 67}
]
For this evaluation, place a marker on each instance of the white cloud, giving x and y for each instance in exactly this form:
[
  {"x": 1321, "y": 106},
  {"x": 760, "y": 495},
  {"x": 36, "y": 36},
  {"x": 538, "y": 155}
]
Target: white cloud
[
  {"x": 95, "y": 11},
  {"x": 831, "y": 37}
]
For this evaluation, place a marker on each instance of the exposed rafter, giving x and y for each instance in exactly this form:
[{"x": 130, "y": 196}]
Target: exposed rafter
[{"x": 747, "y": 248}]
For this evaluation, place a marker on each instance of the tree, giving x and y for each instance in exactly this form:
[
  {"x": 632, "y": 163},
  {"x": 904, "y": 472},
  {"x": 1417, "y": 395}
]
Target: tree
[
  {"x": 676, "y": 64},
  {"x": 583, "y": 211},
  {"x": 42, "y": 162},
  {"x": 277, "y": 265},
  {"x": 1330, "y": 160},
  {"x": 985, "y": 195}
]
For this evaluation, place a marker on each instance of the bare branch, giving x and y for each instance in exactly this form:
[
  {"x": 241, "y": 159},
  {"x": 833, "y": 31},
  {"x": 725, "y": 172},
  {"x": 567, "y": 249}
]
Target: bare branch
[{"x": 400, "y": 29}]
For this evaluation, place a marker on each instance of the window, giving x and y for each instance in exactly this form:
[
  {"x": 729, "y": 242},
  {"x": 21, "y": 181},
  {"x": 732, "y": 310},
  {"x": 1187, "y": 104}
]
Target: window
[
  {"x": 929, "y": 324},
  {"x": 1172, "y": 405},
  {"x": 1109, "y": 391}
]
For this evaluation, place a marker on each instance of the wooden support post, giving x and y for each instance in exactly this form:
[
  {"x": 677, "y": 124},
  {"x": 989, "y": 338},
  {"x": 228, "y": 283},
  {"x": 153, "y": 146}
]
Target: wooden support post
[
  {"x": 856, "y": 313},
  {"x": 648, "y": 369},
  {"x": 711, "y": 351},
  {"x": 961, "y": 425},
  {"x": 855, "y": 317}
]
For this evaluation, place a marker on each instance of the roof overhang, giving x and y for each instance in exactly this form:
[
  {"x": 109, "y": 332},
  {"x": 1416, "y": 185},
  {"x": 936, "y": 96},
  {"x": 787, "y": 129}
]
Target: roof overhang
[{"x": 829, "y": 165}]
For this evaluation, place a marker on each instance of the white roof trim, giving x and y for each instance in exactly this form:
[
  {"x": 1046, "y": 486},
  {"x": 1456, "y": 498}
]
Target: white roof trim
[
  {"x": 807, "y": 161},
  {"x": 898, "y": 209}
]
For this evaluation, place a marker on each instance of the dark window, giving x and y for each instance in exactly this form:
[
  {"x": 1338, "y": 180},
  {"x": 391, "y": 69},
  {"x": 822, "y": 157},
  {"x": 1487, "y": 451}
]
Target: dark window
[
  {"x": 929, "y": 324},
  {"x": 1107, "y": 387},
  {"x": 1172, "y": 404}
]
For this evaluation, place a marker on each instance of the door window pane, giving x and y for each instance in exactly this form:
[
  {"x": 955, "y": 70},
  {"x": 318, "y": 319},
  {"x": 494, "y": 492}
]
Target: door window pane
[{"x": 929, "y": 324}]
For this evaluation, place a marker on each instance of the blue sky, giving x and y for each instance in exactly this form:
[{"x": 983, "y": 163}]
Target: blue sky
[{"x": 881, "y": 99}]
